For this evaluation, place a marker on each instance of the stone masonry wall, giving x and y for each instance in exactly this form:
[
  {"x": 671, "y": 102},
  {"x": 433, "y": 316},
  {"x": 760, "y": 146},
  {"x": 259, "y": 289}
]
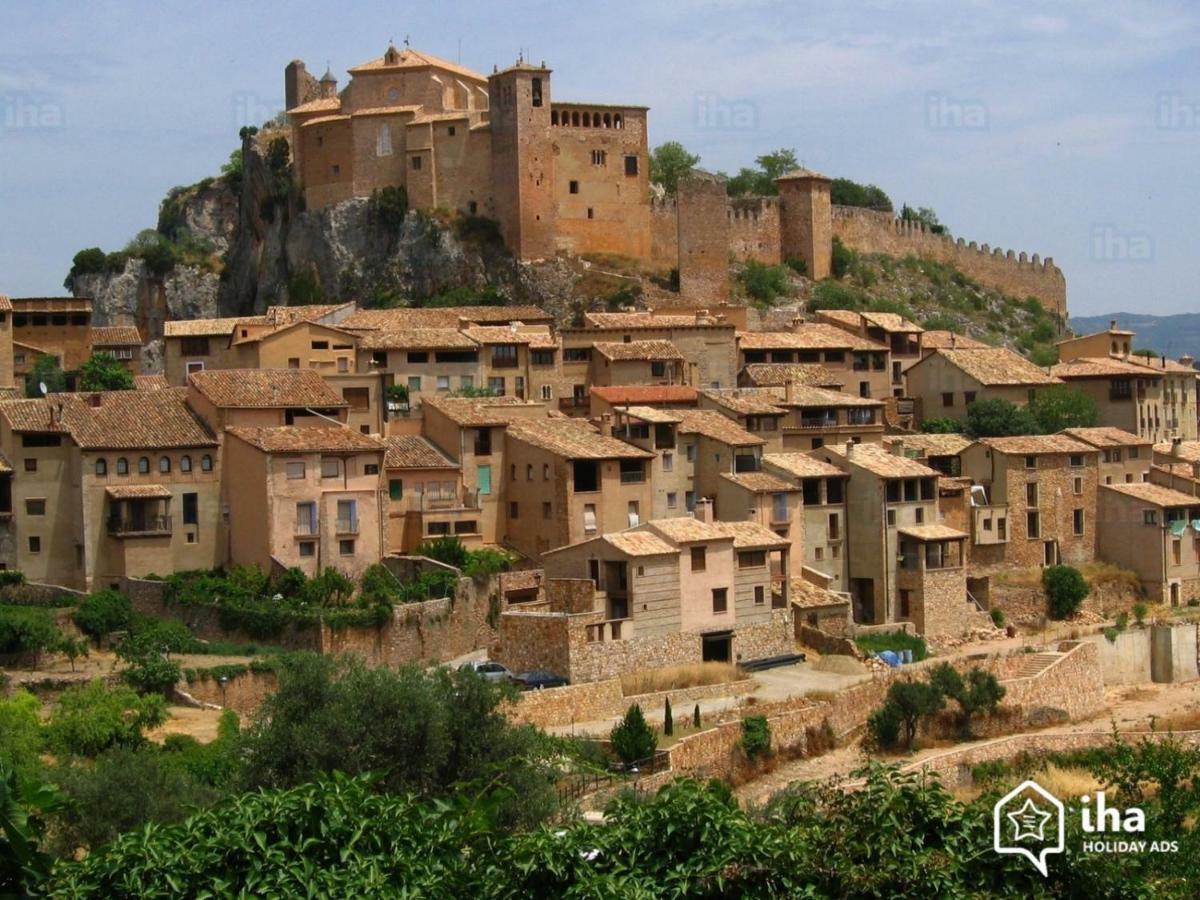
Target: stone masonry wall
[
  {"x": 243, "y": 693},
  {"x": 1013, "y": 273}
]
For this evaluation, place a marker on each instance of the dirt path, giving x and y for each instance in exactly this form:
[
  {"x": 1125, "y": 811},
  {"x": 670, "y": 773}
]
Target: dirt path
[{"x": 1130, "y": 707}]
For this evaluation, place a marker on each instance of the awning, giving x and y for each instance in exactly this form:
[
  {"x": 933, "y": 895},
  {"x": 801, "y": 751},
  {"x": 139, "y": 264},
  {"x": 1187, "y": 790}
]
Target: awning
[{"x": 138, "y": 492}]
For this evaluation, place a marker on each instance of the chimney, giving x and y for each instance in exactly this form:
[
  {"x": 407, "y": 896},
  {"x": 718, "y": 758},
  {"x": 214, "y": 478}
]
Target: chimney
[
  {"x": 789, "y": 391},
  {"x": 704, "y": 510},
  {"x": 1175, "y": 445},
  {"x": 1112, "y": 324},
  {"x": 1188, "y": 360},
  {"x": 953, "y": 340}
]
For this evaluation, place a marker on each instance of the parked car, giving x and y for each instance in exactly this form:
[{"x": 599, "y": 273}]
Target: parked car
[
  {"x": 538, "y": 679},
  {"x": 488, "y": 670}
]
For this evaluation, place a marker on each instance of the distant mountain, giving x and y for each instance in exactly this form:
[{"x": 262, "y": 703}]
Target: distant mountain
[{"x": 1169, "y": 335}]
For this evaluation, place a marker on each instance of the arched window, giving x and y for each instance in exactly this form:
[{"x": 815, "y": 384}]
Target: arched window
[
  {"x": 607, "y": 120},
  {"x": 587, "y": 120},
  {"x": 206, "y": 463},
  {"x": 164, "y": 464},
  {"x": 143, "y": 465},
  {"x": 553, "y": 117},
  {"x": 185, "y": 463},
  {"x": 101, "y": 467},
  {"x": 122, "y": 466},
  {"x": 617, "y": 123},
  {"x": 575, "y": 119}
]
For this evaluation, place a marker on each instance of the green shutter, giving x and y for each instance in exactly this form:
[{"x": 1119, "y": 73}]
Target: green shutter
[{"x": 396, "y": 489}]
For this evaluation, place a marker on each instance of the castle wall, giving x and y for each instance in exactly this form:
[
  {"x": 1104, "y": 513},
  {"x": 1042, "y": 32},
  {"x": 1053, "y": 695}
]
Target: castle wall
[
  {"x": 754, "y": 231},
  {"x": 1013, "y": 273},
  {"x": 703, "y": 240},
  {"x": 664, "y": 232}
]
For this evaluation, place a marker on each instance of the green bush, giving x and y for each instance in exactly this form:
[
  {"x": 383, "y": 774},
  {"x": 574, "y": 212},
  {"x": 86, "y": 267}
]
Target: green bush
[
  {"x": 21, "y": 729},
  {"x": 998, "y": 617},
  {"x": 997, "y": 417},
  {"x": 1139, "y": 612},
  {"x": 387, "y": 207},
  {"x": 90, "y": 718},
  {"x": 487, "y": 561},
  {"x": 103, "y": 372},
  {"x": 841, "y": 259},
  {"x": 10, "y": 577},
  {"x": 942, "y": 425},
  {"x": 756, "y": 736},
  {"x": 893, "y": 640},
  {"x": 764, "y": 284},
  {"x": 883, "y": 726},
  {"x": 26, "y": 629},
  {"x": 448, "y": 550},
  {"x": 632, "y": 739},
  {"x": 104, "y": 612},
  {"x": 1065, "y": 589},
  {"x": 152, "y": 673},
  {"x": 797, "y": 265},
  {"x": 833, "y": 295}
]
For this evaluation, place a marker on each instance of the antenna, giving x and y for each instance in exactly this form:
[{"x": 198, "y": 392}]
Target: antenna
[{"x": 42, "y": 387}]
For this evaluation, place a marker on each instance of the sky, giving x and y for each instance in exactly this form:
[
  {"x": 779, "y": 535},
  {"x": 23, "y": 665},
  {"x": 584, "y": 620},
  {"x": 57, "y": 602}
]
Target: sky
[{"x": 1065, "y": 129}]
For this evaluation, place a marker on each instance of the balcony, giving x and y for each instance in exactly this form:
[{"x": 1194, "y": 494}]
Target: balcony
[
  {"x": 139, "y": 526},
  {"x": 504, "y": 362},
  {"x": 441, "y": 503},
  {"x": 824, "y": 422},
  {"x": 610, "y": 630}
]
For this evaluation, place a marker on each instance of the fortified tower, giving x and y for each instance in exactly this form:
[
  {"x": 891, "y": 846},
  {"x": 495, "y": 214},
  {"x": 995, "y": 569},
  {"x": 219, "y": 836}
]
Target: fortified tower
[
  {"x": 522, "y": 159},
  {"x": 805, "y": 220}
]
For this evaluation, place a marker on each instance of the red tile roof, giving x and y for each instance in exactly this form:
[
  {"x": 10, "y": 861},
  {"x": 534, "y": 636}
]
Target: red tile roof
[{"x": 642, "y": 394}]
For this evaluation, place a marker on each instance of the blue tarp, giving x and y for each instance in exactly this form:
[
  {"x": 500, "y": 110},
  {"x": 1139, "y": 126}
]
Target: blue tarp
[{"x": 891, "y": 657}]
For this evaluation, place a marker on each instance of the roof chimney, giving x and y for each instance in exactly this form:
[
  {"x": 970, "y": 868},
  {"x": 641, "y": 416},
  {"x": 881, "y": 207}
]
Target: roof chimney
[
  {"x": 1112, "y": 324},
  {"x": 704, "y": 510},
  {"x": 1175, "y": 445},
  {"x": 953, "y": 340},
  {"x": 789, "y": 391}
]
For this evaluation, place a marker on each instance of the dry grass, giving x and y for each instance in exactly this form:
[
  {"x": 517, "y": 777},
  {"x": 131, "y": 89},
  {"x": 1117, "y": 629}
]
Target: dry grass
[
  {"x": 1020, "y": 577},
  {"x": 1102, "y": 573},
  {"x": 674, "y": 678},
  {"x": 1068, "y": 781},
  {"x": 1181, "y": 721}
]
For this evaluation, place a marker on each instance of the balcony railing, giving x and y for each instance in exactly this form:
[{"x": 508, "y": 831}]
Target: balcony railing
[
  {"x": 124, "y": 525},
  {"x": 818, "y": 422},
  {"x": 610, "y": 630},
  {"x": 441, "y": 503}
]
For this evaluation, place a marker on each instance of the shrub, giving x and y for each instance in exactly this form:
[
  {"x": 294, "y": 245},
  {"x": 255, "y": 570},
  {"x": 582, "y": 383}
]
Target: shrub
[
  {"x": 104, "y": 612},
  {"x": 11, "y": 577},
  {"x": 696, "y": 716},
  {"x": 979, "y": 692},
  {"x": 668, "y": 719},
  {"x": 47, "y": 371},
  {"x": 1139, "y": 612},
  {"x": 103, "y": 372},
  {"x": 763, "y": 283},
  {"x": 832, "y": 295},
  {"x": 883, "y": 726},
  {"x": 21, "y": 727},
  {"x": 91, "y": 718},
  {"x": 26, "y": 629},
  {"x": 893, "y": 640},
  {"x": 448, "y": 550},
  {"x": 1111, "y": 634},
  {"x": 487, "y": 561},
  {"x": 1065, "y": 590},
  {"x": 1122, "y": 621},
  {"x": 997, "y": 417},
  {"x": 152, "y": 673},
  {"x": 797, "y": 265},
  {"x": 756, "y": 736},
  {"x": 842, "y": 257},
  {"x": 387, "y": 207},
  {"x": 914, "y": 701},
  {"x": 942, "y": 425},
  {"x": 632, "y": 739},
  {"x": 998, "y": 617}
]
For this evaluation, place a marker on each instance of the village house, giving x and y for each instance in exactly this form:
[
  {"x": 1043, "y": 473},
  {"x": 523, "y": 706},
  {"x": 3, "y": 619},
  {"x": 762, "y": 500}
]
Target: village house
[
  {"x": 1151, "y": 530},
  {"x": 671, "y": 473},
  {"x": 902, "y": 337},
  {"x": 945, "y": 383},
  {"x": 942, "y": 452},
  {"x": 819, "y": 538},
  {"x": 886, "y": 493},
  {"x": 769, "y": 501},
  {"x": 602, "y": 401},
  {"x": 714, "y": 445},
  {"x": 58, "y": 327},
  {"x": 112, "y": 484},
  {"x": 426, "y": 499},
  {"x": 122, "y": 342},
  {"x": 636, "y": 362},
  {"x": 304, "y": 498},
  {"x": 781, "y": 374},
  {"x": 754, "y": 409},
  {"x": 1124, "y": 457},
  {"x": 862, "y": 363},
  {"x": 264, "y": 398},
  {"x": 1033, "y": 500}
]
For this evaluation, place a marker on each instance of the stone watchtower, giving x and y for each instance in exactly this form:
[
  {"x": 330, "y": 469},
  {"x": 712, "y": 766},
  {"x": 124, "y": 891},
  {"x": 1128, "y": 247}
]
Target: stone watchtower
[
  {"x": 703, "y": 223},
  {"x": 806, "y": 220},
  {"x": 522, "y": 159}
]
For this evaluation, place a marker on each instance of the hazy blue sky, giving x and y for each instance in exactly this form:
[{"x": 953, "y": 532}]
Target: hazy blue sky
[{"x": 1066, "y": 129}]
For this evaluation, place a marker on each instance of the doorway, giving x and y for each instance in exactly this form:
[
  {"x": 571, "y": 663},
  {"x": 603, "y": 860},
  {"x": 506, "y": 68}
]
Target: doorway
[{"x": 717, "y": 647}]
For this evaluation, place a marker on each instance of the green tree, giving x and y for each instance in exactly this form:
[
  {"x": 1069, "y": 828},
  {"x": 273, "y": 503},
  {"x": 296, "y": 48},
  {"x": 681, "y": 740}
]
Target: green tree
[
  {"x": 632, "y": 738},
  {"x": 997, "y": 417},
  {"x": 841, "y": 258},
  {"x": 103, "y": 372},
  {"x": 91, "y": 718},
  {"x": 21, "y": 728},
  {"x": 756, "y": 736},
  {"x": 914, "y": 701},
  {"x": 103, "y": 613},
  {"x": 1059, "y": 407},
  {"x": 47, "y": 371},
  {"x": 979, "y": 692},
  {"x": 232, "y": 170},
  {"x": 668, "y": 719},
  {"x": 1065, "y": 589},
  {"x": 91, "y": 261},
  {"x": 943, "y": 425},
  {"x": 765, "y": 284},
  {"x": 72, "y": 648},
  {"x": 923, "y": 215},
  {"x": 760, "y": 181},
  {"x": 844, "y": 192},
  {"x": 27, "y": 630},
  {"x": 669, "y": 162},
  {"x": 26, "y": 806}
]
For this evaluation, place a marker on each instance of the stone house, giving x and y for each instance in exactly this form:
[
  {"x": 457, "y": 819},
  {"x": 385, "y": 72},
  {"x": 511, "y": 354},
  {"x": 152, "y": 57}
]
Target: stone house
[
  {"x": 715, "y": 445},
  {"x": 604, "y": 401},
  {"x": 263, "y": 398},
  {"x": 942, "y": 452},
  {"x": 1124, "y": 457},
  {"x": 755, "y": 409},
  {"x": 59, "y": 327},
  {"x": 671, "y": 473},
  {"x": 902, "y": 337},
  {"x": 1033, "y": 500},
  {"x": 781, "y": 374},
  {"x": 863, "y": 364},
  {"x": 931, "y": 582},
  {"x": 426, "y": 498},
  {"x": 817, "y": 416},
  {"x": 947, "y": 381},
  {"x": 768, "y": 500},
  {"x": 636, "y": 362},
  {"x": 819, "y": 540},
  {"x": 122, "y": 342},
  {"x": 1151, "y": 530},
  {"x": 304, "y": 498},
  {"x": 1154, "y": 399}
]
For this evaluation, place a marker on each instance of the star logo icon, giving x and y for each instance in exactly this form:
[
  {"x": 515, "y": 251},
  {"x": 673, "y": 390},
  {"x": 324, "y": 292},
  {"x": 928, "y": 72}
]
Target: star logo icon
[{"x": 1029, "y": 821}]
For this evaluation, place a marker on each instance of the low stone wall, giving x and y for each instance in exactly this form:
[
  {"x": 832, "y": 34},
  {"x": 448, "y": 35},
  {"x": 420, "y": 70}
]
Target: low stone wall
[
  {"x": 1026, "y": 604},
  {"x": 600, "y": 700},
  {"x": 825, "y": 643},
  {"x": 33, "y": 593},
  {"x": 243, "y": 693}
]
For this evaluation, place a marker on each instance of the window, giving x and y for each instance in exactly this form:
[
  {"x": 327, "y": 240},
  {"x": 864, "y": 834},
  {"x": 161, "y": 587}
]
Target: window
[
  {"x": 1031, "y": 462},
  {"x": 1031, "y": 494},
  {"x": 576, "y": 354},
  {"x": 320, "y": 345},
  {"x": 101, "y": 467},
  {"x": 443, "y": 382},
  {"x": 395, "y": 489},
  {"x": 529, "y": 471},
  {"x": 1133, "y": 452},
  {"x": 194, "y": 346},
  {"x": 1077, "y": 521},
  {"x": 330, "y": 467},
  {"x": 451, "y": 131},
  {"x": 547, "y": 392},
  {"x": 947, "y": 399},
  {"x": 891, "y": 517},
  {"x": 699, "y": 559},
  {"x": 968, "y": 397},
  {"x": 306, "y": 518},
  {"x": 672, "y": 500},
  {"x": 547, "y": 508},
  {"x": 1077, "y": 485},
  {"x": 632, "y": 471},
  {"x": 418, "y": 356},
  {"x": 416, "y": 163},
  {"x": 689, "y": 451},
  {"x": 414, "y": 384},
  {"x": 599, "y": 157},
  {"x": 689, "y": 501},
  {"x": 658, "y": 369},
  {"x": 573, "y": 187},
  {"x": 514, "y": 510},
  {"x": 347, "y": 517},
  {"x": 545, "y": 471},
  {"x": 536, "y": 88},
  {"x": 185, "y": 463},
  {"x": 720, "y": 600},
  {"x": 370, "y": 468},
  {"x": 589, "y": 518},
  {"x": 1033, "y": 524},
  {"x": 834, "y": 490},
  {"x": 143, "y": 465},
  {"x": 919, "y": 515},
  {"x": 1076, "y": 460},
  {"x": 295, "y": 470},
  {"x": 760, "y": 595},
  {"x": 35, "y": 507},
  {"x": 905, "y": 603},
  {"x": 206, "y": 463},
  {"x": 779, "y": 508},
  {"x": 496, "y": 385},
  {"x": 466, "y": 382},
  {"x": 35, "y": 544},
  {"x": 631, "y": 165},
  {"x": 191, "y": 509},
  {"x": 346, "y": 545},
  {"x": 164, "y": 464},
  {"x": 752, "y": 559},
  {"x": 122, "y": 466},
  {"x": 633, "y": 514},
  {"x": 308, "y": 548},
  {"x": 383, "y": 141},
  {"x": 1150, "y": 517},
  {"x": 483, "y": 479},
  {"x": 293, "y": 362},
  {"x": 818, "y": 553}
]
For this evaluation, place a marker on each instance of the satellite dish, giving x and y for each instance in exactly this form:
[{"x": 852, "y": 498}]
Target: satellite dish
[{"x": 42, "y": 387}]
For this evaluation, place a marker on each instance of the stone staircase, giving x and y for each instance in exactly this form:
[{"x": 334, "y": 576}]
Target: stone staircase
[{"x": 1036, "y": 663}]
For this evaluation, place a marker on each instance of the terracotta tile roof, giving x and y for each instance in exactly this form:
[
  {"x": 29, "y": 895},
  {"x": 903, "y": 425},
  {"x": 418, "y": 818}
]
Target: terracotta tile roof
[
  {"x": 878, "y": 461},
  {"x": 650, "y": 414},
  {"x": 633, "y": 320},
  {"x": 686, "y": 530},
  {"x": 1100, "y": 367},
  {"x": 751, "y": 536},
  {"x": 290, "y": 439},
  {"x": 802, "y": 465},
  {"x": 415, "y": 339},
  {"x": 1034, "y": 444},
  {"x": 640, "y": 394},
  {"x": 933, "y": 444},
  {"x": 505, "y": 334},
  {"x": 640, "y": 543},
  {"x": 893, "y": 322},
  {"x": 638, "y": 350},
  {"x": 114, "y": 336},
  {"x": 5, "y": 304},
  {"x": 402, "y": 317},
  {"x": 1184, "y": 451},
  {"x": 150, "y": 382},
  {"x": 947, "y": 340},
  {"x": 932, "y": 532},
  {"x": 137, "y": 491},
  {"x": 845, "y": 316},
  {"x": 265, "y": 388},
  {"x": 1106, "y": 437},
  {"x": 5, "y": 465},
  {"x": 321, "y": 104},
  {"x": 995, "y": 366},
  {"x": 199, "y": 327},
  {"x": 123, "y": 420},
  {"x": 772, "y": 374},
  {"x": 712, "y": 424},
  {"x": 388, "y": 111},
  {"x": 759, "y": 482},
  {"x": 804, "y": 395},
  {"x": 807, "y": 595},
  {"x": 411, "y": 451},
  {"x": 573, "y": 440},
  {"x": 1156, "y": 494},
  {"x": 485, "y": 411},
  {"x": 1178, "y": 469},
  {"x": 1170, "y": 366},
  {"x": 807, "y": 336},
  {"x": 746, "y": 401},
  {"x": 408, "y": 58}
]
